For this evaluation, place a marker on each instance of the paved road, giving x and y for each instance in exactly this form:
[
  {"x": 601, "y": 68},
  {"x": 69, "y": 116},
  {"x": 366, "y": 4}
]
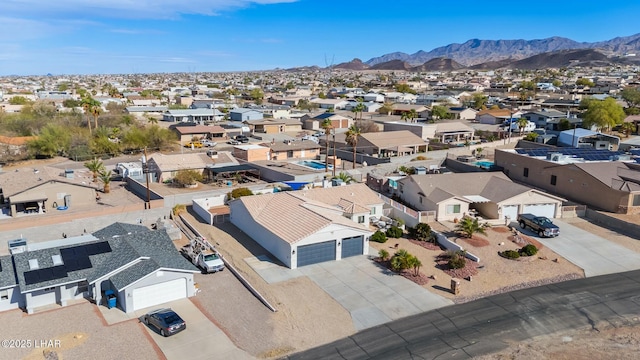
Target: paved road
[
  {"x": 490, "y": 324},
  {"x": 594, "y": 254}
]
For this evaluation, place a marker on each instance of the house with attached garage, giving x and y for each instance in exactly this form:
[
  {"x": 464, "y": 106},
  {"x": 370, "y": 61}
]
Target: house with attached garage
[
  {"x": 141, "y": 267},
  {"x": 490, "y": 195},
  {"x": 309, "y": 226}
]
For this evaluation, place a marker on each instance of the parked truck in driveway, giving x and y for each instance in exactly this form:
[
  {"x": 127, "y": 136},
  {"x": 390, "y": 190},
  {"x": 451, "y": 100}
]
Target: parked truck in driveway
[
  {"x": 539, "y": 224},
  {"x": 203, "y": 255}
]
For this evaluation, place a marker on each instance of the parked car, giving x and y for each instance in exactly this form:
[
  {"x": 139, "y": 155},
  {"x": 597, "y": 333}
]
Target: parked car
[
  {"x": 209, "y": 143},
  {"x": 195, "y": 144},
  {"x": 166, "y": 321},
  {"x": 233, "y": 142},
  {"x": 242, "y": 138}
]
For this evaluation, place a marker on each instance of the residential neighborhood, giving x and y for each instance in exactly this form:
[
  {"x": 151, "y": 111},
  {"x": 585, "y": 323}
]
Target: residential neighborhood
[{"x": 334, "y": 206}]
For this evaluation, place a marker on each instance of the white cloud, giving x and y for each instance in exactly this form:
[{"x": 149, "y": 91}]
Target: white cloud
[{"x": 148, "y": 9}]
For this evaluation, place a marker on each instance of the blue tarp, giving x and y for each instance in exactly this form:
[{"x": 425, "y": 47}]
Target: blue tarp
[{"x": 296, "y": 185}]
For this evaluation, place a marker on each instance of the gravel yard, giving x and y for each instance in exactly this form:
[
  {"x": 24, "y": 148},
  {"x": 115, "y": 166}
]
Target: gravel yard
[
  {"x": 306, "y": 316},
  {"x": 495, "y": 274},
  {"x": 81, "y": 332}
]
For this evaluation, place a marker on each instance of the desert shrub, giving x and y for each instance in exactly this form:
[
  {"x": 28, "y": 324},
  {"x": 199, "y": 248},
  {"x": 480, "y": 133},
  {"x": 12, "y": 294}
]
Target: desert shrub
[
  {"x": 529, "y": 250},
  {"x": 394, "y": 232},
  {"x": 422, "y": 232},
  {"x": 239, "y": 192},
  {"x": 510, "y": 254},
  {"x": 383, "y": 255},
  {"x": 379, "y": 237},
  {"x": 420, "y": 157},
  {"x": 457, "y": 260},
  {"x": 187, "y": 177}
]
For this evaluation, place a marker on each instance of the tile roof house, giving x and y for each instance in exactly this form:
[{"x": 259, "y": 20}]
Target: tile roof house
[
  {"x": 142, "y": 267},
  {"x": 491, "y": 195},
  {"x": 164, "y": 167},
  {"x": 28, "y": 191},
  {"x": 391, "y": 143},
  {"x": 309, "y": 226},
  {"x": 607, "y": 185},
  {"x": 187, "y": 133},
  {"x": 337, "y": 121},
  {"x": 496, "y": 116}
]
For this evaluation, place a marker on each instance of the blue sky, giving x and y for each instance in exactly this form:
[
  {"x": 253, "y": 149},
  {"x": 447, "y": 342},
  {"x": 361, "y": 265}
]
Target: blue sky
[{"x": 144, "y": 36}]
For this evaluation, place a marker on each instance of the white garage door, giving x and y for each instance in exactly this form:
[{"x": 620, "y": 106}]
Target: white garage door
[
  {"x": 548, "y": 210},
  {"x": 159, "y": 293},
  {"x": 511, "y": 211}
]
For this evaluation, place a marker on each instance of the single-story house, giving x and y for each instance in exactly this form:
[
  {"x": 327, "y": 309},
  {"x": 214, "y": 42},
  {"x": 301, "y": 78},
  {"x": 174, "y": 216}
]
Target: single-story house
[
  {"x": 244, "y": 114},
  {"x": 164, "y": 167},
  {"x": 335, "y": 226},
  {"x": 140, "y": 266},
  {"x": 545, "y": 117},
  {"x": 251, "y": 152},
  {"x": 399, "y": 109},
  {"x": 288, "y": 149},
  {"x": 612, "y": 186},
  {"x": 462, "y": 113},
  {"x": 141, "y": 110},
  {"x": 29, "y": 191},
  {"x": 337, "y": 121},
  {"x": 496, "y": 116},
  {"x": 193, "y": 115},
  {"x": 274, "y": 126},
  {"x": 391, "y": 143},
  {"x": 336, "y": 104},
  {"x": 187, "y": 133},
  {"x": 491, "y": 195}
]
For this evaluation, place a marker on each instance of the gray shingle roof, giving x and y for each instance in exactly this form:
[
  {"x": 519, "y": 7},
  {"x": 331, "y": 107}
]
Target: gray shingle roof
[
  {"x": 7, "y": 275},
  {"x": 128, "y": 243}
]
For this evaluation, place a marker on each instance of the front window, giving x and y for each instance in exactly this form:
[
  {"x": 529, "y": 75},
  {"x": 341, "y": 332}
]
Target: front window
[
  {"x": 636, "y": 200},
  {"x": 373, "y": 211},
  {"x": 453, "y": 209},
  {"x": 361, "y": 219},
  {"x": 289, "y": 153}
]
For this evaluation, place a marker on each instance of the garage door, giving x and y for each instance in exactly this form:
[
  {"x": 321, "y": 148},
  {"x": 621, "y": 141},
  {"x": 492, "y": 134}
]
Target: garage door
[
  {"x": 316, "y": 253},
  {"x": 352, "y": 246},
  {"x": 548, "y": 210},
  {"x": 511, "y": 211},
  {"x": 159, "y": 293}
]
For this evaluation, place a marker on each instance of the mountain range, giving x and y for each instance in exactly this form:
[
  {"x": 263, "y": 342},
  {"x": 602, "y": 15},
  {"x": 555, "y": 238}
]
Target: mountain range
[{"x": 476, "y": 51}]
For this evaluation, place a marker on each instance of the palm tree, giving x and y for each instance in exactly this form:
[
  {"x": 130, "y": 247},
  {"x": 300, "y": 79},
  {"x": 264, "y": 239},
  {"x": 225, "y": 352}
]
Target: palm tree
[
  {"x": 96, "y": 110},
  {"x": 404, "y": 116},
  {"x": 386, "y": 108},
  {"x": 346, "y": 178},
  {"x": 86, "y": 106},
  {"x": 468, "y": 226},
  {"x": 95, "y": 166},
  {"x": 522, "y": 123},
  {"x": 359, "y": 108},
  {"x": 412, "y": 114},
  {"x": 352, "y": 139},
  {"x": 105, "y": 177},
  {"x": 628, "y": 128},
  {"x": 383, "y": 254},
  {"x": 327, "y": 126}
]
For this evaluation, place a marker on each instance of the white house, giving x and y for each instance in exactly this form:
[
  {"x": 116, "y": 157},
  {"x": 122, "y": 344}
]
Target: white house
[{"x": 309, "y": 226}]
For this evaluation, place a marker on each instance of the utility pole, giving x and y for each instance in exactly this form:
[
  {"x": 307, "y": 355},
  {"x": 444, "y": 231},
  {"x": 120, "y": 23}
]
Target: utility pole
[
  {"x": 145, "y": 170},
  {"x": 334, "y": 153}
]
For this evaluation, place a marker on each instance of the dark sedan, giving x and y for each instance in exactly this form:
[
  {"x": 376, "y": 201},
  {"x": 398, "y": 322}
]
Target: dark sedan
[{"x": 166, "y": 321}]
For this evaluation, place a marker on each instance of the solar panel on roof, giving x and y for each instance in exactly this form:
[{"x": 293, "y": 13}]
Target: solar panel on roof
[
  {"x": 45, "y": 275},
  {"x": 71, "y": 265},
  {"x": 104, "y": 247},
  {"x": 84, "y": 263},
  {"x": 92, "y": 249},
  {"x": 80, "y": 251},
  {"x": 31, "y": 277}
]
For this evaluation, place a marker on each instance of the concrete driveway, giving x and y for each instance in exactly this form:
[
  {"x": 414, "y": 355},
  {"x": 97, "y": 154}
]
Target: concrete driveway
[
  {"x": 373, "y": 295},
  {"x": 201, "y": 340},
  {"x": 594, "y": 254}
]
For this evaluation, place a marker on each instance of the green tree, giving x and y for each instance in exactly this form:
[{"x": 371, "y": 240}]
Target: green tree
[
  {"x": 564, "y": 124},
  {"x": 352, "y": 136},
  {"x": 379, "y": 237},
  {"x": 257, "y": 95},
  {"x": 628, "y": 128},
  {"x": 422, "y": 232},
  {"x": 603, "y": 114},
  {"x": 19, "y": 100},
  {"x": 327, "y": 126},
  {"x": 404, "y": 88},
  {"x": 531, "y": 136},
  {"x": 71, "y": 103},
  {"x": 584, "y": 82},
  {"x": 240, "y": 192},
  {"x": 468, "y": 226},
  {"x": 632, "y": 96},
  {"x": 415, "y": 264},
  {"x": 53, "y": 140},
  {"x": 387, "y": 108},
  {"x": 359, "y": 108},
  {"x": 440, "y": 112},
  {"x": 479, "y": 100},
  {"x": 95, "y": 166},
  {"x": 187, "y": 177},
  {"x": 557, "y": 83}
]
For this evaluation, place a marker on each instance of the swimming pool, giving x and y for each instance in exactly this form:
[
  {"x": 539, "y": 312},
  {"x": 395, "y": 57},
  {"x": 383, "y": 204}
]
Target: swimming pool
[
  {"x": 316, "y": 165},
  {"x": 484, "y": 164}
]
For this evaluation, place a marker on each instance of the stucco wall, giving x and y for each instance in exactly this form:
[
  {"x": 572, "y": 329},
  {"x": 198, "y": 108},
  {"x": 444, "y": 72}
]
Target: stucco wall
[
  {"x": 125, "y": 297},
  {"x": 14, "y": 299}
]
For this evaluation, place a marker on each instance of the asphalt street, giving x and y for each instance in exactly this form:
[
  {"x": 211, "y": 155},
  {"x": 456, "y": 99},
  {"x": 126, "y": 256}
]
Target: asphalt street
[{"x": 491, "y": 324}]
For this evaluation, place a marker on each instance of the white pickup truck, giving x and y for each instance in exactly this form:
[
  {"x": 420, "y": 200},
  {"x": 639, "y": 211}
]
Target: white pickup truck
[{"x": 202, "y": 255}]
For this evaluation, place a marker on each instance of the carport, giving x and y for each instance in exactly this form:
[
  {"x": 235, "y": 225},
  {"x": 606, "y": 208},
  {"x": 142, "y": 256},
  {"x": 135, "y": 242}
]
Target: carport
[{"x": 224, "y": 173}]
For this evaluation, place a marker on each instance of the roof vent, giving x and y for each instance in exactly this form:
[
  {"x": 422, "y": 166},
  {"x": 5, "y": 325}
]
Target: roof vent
[
  {"x": 57, "y": 260},
  {"x": 33, "y": 264}
]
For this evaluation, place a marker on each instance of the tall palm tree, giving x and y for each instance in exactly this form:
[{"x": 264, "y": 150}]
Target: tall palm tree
[
  {"x": 96, "y": 110},
  {"x": 359, "y": 108},
  {"x": 412, "y": 114},
  {"x": 352, "y": 136},
  {"x": 327, "y": 126},
  {"x": 86, "y": 106}
]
